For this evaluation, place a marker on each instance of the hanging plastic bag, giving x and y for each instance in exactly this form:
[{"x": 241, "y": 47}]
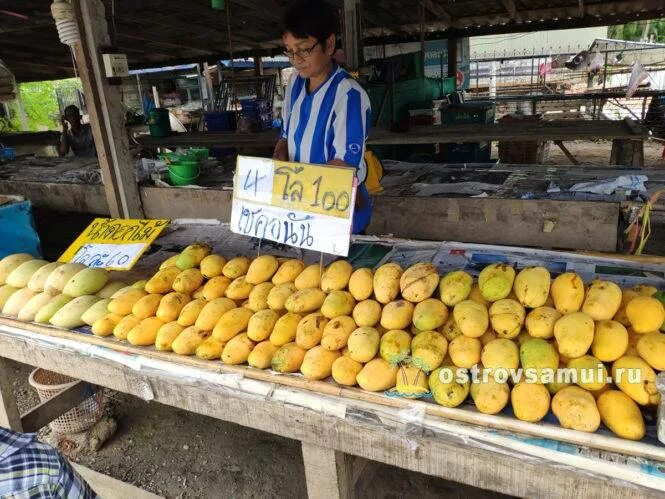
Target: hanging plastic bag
[
  {"x": 637, "y": 76},
  {"x": 596, "y": 63}
]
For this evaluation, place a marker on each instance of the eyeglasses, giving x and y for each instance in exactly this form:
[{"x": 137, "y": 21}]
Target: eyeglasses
[{"x": 302, "y": 53}]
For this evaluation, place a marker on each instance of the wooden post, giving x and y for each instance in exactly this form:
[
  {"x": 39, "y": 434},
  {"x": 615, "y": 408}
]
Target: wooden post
[
  {"x": 106, "y": 113},
  {"x": 452, "y": 57},
  {"x": 9, "y": 415},
  {"x": 329, "y": 473},
  {"x": 258, "y": 66},
  {"x": 351, "y": 34}
]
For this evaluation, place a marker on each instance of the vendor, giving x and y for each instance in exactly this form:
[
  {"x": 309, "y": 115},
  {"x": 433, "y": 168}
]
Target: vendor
[
  {"x": 76, "y": 136},
  {"x": 326, "y": 113}
]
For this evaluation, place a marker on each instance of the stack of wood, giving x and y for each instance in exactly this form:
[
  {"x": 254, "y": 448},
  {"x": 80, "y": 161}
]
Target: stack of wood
[{"x": 7, "y": 84}]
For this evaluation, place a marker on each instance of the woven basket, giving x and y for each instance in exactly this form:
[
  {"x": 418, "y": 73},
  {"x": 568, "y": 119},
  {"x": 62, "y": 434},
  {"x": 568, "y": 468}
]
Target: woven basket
[{"x": 81, "y": 417}]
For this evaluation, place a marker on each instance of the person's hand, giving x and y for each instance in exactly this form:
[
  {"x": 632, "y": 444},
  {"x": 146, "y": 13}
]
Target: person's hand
[{"x": 64, "y": 123}]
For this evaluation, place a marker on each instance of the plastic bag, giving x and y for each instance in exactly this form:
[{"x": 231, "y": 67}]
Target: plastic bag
[{"x": 637, "y": 76}]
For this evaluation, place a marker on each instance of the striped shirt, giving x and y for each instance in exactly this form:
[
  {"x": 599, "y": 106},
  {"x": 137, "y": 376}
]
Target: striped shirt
[{"x": 30, "y": 469}]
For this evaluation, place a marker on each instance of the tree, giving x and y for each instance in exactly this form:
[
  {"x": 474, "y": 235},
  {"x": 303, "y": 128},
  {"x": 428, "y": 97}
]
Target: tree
[
  {"x": 639, "y": 31},
  {"x": 40, "y": 104}
]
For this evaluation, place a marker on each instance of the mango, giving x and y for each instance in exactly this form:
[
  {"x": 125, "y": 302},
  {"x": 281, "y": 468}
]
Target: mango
[
  {"x": 69, "y": 316},
  {"x": 169, "y": 262},
  {"x": 124, "y": 326},
  {"x": 239, "y": 289},
  {"x": 477, "y": 296},
  {"x": 539, "y": 356},
  {"x": 646, "y": 314},
  {"x": 123, "y": 304},
  {"x": 305, "y": 301},
  {"x": 32, "y": 306},
  {"x": 191, "y": 311},
  {"x": 626, "y": 296},
  {"x": 338, "y": 303},
  {"x": 496, "y": 281},
  {"x": 397, "y": 314},
  {"x": 97, "y": 311},
  {"x": 258, "y": 298},
  {"x": 651, "y": 347},
  {"x": 86, "y": 282},
  {"x": 188, "y": 281},
  {"x": 576, "y": 409},
  {"x": 104, "y": 326},
  {"x": 590, "y": 372},
  {"x": 471, "y": 318},
  {"x": 210, "y": 349},
  {"x": 532, "y": 286},
  {"x": 189, "y": 340},
  {"x": 530, "y": 401},
  {"x": 288, "y": 358},
  {"x": 261, "y": 355},
  {"x": 574, "y": 334},
  {"x": 395, "y": 346},
  {"x": 122, "y": 291},
  {"x": 567, "y": 292},
  {"x": 386, "y": 282},
  {"x": 10, "y": 262},
  {"x": 336, "y": 276},
  {"x": 455, "y": 287},
  {"x": 236, "y": 267},
  {"x": 500, "y": 353},
  {"x": 43, "y": 316},
  {"x": 232, "y": 323},
  {"x": 634, "y": 377},
  {"x": 610, "y": 341},
  {"x": 17, "y": 301},
  {"x": 310, "y": 330},
  {"x": 166, "y": 335},
  {"x": 21, "y": 275},
  {"x": 450, "y": 330},
  {"x": 411, "y": 382},
  {"x": 377, "y": 376},
  {"x": 145, "y": 332},
  {"x": 337, "y": 332},
  {"x": 507, "y": 318},
  {"x": 140, "y": 284},
  {"x": 261, "y": 324},
  {"x": 215, "y": 287},
  {"x": 192, "y": 256},
  {"x": 540, "y": 322},
  {"x": 162, "y": 282},
  {"x": 288, "y": 271},
  {"x": 489, "y": 395},
  {"x": 147, "y": 306},
  {"x": 603, "y": 299},
  {"x": 367, "y": 313},
  {"x": 621, "y": 415},
  {"x": 212, "y": 266},
  {"x": 488, "y": 336},
  {"x": 309, "y": 278},
  {"x": 212, "y": 312},
  {"x": 237, "y": 350},
  {"x": 448, "y": 386},
  {"x": 110, "y": 289},
  {"x": 5, "y": 292},
  {"x": 317, "y": 363},
  {"x": 285, "y": 330},
  {"x": 58, "y": 278},
  {"x": 278, "y": 295},
  {"x": 430, "y": 314},
  {"x": 261, "y": 269},
  {"x": 465, "y": 351},
  {"x": 38, "y": 279},
  {"x": 344, "y": 370},
  {"x": 419, "y": 282},
  {"x": 361, "y": 284},
  {"x": 428, "y": 350},
  {"x": 363, "y": 344},
  {"x": 171, "y": 305}
]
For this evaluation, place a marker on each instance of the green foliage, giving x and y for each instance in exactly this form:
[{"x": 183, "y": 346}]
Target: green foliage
[{"x": 634, "y": 31}]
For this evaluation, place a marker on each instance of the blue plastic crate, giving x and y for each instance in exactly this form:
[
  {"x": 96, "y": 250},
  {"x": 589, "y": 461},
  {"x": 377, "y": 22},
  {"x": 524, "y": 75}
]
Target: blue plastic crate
[{"x": 224, "y": 121}]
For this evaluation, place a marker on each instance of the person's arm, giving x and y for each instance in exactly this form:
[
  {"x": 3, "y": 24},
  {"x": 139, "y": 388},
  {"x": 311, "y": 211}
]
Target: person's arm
[
  {"x": 63, "y": 146},
  {"x": 281, "y": 152},
  {"x": 350, "y": 131}
]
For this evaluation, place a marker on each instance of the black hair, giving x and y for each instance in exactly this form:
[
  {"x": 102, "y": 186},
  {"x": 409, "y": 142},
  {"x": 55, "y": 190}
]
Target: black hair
[
  {"x": 315, "y": 18},
  {"x": 72, "y": 108}
]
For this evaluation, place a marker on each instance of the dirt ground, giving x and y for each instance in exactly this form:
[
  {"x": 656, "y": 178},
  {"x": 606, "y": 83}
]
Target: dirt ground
[{"x": 597, "y": 153}]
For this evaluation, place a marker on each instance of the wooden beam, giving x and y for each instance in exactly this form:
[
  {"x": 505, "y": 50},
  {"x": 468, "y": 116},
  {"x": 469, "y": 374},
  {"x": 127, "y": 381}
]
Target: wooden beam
[
  {"x": 328, "y": 473},
  {"x": 509, "y": 5},
  {"x": 565, "y": 151},
  {"x": 439, "y": 12},
  {"x": 106, "y": 113},
  {"x": 42, "y": 414},
  {"x": 351, "y": 33},
  {"x": 9, "y": 415}
]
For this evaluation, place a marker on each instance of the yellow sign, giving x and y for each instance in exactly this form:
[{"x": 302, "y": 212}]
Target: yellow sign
[{"x": 113, "y": 243}]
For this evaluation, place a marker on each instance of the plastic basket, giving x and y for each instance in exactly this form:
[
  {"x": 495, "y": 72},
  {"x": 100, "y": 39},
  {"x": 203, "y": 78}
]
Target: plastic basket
[{"x": 81, "y": 417}]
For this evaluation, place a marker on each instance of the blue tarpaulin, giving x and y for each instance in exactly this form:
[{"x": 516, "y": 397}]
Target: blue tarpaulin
[{"x": 17, "y": 230}]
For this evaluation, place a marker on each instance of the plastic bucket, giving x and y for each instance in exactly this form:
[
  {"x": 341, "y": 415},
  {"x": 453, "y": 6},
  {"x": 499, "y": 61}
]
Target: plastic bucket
[
  {"x": 184, "y": 172},
  {"x": 159, "y": 123}
]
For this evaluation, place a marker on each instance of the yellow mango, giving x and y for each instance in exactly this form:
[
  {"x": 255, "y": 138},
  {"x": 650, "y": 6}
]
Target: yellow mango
[
  {"x": 171, "y": 305},
  {"x": 361, "y": 284},
  {"x": 397, "y": 314},
  {"x": 239, "y": 289},
  {"x": 210, "y": 349},
  {"x": 261, "y": 269},
  {"x": 231, "y": 323},
  {"x": 576, "y": 408},
  {"x": 626, "y": 296},
  {"x": 496, "y": 281},
  {"x": 45, "y": 313},
  {"x": 651, "y": 347},
  {"x": 530, "y": 401},
  {"x": 288, "y": 358},
  {"x": 465, "y": 351},
  {"x": 261, "y": 324},
  {"x": 411, "y": 382},
  {"x": 539, "y": 356},
  {"x": 367, "y": 313},
  {"x": 455, "y": 287},
  {"x": 590, "y": 372},
  {"x": 500, "y": 353},
  {"x": 386, "y": 282},
  {"x": 477, "y": 296},
  {"x": 191, "y": 311},
  {"x": 395, "y": 346},
  {"x": 38, "y": 279},
  {"x": 258, "y": 298},
  {"x": 212, "y": 266},
  {"x": 450, "y": 330},
  {"x": 419, "y": 282},
  {"x": 532, "y": 286},
  {"x": 17, "y": 301},
  {"x": 28, "y": 311},
  {"x": 236, "y": 267},
  {"x": 6, "y": 291},
  {"x": 633, "y": 338},
  {"x": 192, "y": 256},
  {"x": 602, "y": 301},
  {"x": 337, "y": 332},
  {"x": 507, "y": 317},
  {"x": 261, "y": 355},
  {"x": 86, "y": 282},
  {"x": 471, "y": 317},
  {"x": 162, "y": 281},
  {"x": 363, "y": 344},
  {"x": 189, "y": 340},
  {"x": 610, "y": 341},
  {"x": 488, "y": 336},
  {"x": 146, "y": 306},
  {"x": 21, "y": 275},
  {"x": 345, "y": 370},
  {"x": 169, "y": 262},
  {"x": 489, "y": 395},
  {"x": 567, "y": 292},
  {"x": 377, "y": 376},
  {"x": 310, "y": 330},
  {"x": 338, "y": 303},
  {"x": 110, "y": 289},
  {"x": 145, "y": 332},
  {"x": 317, "y": 363},
  {"x": 305, "y": 301},
  {"x": 636, "y": 378},
  {"x": 212, "y": 312},
  {"x": 97, "y": 311},
  {"x": 574, "y": 334},
  {"x": 646, "y": 314},
  {"x": 336, "y": 276},
  {"x": 309, "y": 278},
  {"x": 188, "y": 281},
  {"x": 10, "y": 262},
  {"x": 237, "y": 350},
  {"x": 285, "y": 329},
  {"x": 123, "y": 304},
  {"x": 104, "y": 326},
  {"x": 428, "y": 349},
  {"x": 621, "y": 415},
  {"x": 278, "y": 295},
  {"x": 448, "y": 386},
  {"x": 288, "y": 271},
  {"x": 166, "y": 335},
  {"x": 540, "y": 322},
  {"x": 215, "y": 287},
  {"x": 430, "y": 314},
  {"x": 126, "y": 324},
  {"x": 645, "y": 289}
]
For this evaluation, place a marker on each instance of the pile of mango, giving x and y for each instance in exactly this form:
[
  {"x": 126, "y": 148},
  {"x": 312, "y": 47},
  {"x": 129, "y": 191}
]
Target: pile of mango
[{"x": 406, "y": 331}]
